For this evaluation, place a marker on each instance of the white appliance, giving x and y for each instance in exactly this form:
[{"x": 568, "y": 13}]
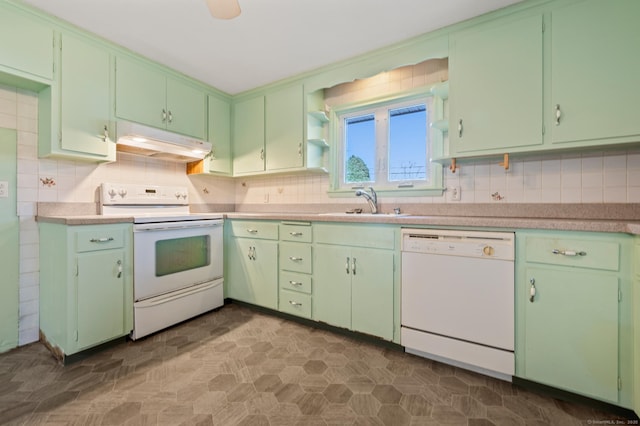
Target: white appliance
[
  {"x": 458, "y": 298},
  {"x": 178, "y": 259}
]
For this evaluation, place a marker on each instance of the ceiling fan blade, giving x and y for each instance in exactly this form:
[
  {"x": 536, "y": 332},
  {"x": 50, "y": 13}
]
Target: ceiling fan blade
[{"x": 223, "y": 9}]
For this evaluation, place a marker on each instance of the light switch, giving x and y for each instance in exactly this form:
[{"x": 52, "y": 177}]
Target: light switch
[{"x": 4, "y": 189}]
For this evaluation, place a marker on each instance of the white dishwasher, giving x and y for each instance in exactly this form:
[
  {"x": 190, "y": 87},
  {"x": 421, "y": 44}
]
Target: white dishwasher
[{"x": 458, "y": 298}]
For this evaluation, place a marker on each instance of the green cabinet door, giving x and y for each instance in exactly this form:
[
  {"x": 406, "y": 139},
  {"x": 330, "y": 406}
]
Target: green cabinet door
[
  {"x": 248, "y": 136},
  {"x": 332, "y": 285},
  {"x": 219, "y": 136},
  {"x": 26, "y": 45},
  {"x": 186, "y": 109},
  {"x": 495, "y": 97},
  {"x": 140, "y": 93},
  {"x": 100, "y": 289},
  {"x": 372, "y": 292},
  {"x": 85, "y": 94},
  {"x": 571, "y": 331},
  {"x": 252, "y": 271},
  {"x": 284, "y": 128},
  {"x": 594, "y": 71}
]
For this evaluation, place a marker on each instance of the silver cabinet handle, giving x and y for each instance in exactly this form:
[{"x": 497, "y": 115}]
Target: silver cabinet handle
[
  {"x": 353, "y": 266},
  {"x": 347, "y": 266},
  {"x": 295, "y": 259},
  {"x": 164, "y": 115},
  {"x": 295, "y": 234},
  {"x": 460, "y": 128},
  {"x": 532, "y": 290},
  {"x": 170, "y": 117},
  {"x": 101, "y": 240},
  {"x": 105, "y": 134},
  {"x": 300, "y": 149},
  {"x": 252, "y": 253},
  {"x": 558, "y": 114},
  {"x": 262, "y": 154},
  {"x": 252, "y": 231},
  {"x": 291, "y": 302},
  {"x": 295, "y": 283},
  {"x": 119, "y": 262},
  {"x": 569, "y": 252}
]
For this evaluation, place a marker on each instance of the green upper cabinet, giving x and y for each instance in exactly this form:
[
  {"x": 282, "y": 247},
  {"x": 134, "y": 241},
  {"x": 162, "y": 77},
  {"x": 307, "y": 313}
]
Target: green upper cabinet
[
  {"x": 284, "y": 128},
  {"x": 248, "y": 136},
  {"x": 26, "y": 45},
  {"x": 149, "y": 96},
  {"x": 595, "y": 72},
  {"x": 220, "y": 135},
  {"x": 85, "y": 98},
  {"x": 495, "y": 79}
]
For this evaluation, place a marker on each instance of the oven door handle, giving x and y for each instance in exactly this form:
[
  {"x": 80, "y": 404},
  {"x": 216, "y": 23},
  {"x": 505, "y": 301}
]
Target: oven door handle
[{"x": 192, "y": 224}]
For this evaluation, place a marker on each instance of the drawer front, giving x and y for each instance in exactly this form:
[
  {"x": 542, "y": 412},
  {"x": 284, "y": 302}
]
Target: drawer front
[
  {"x": 375, "y": 236},
  {"x": 301, "y": 233},
  {"x": 582, "y": 253},
  {"x": 254, "y": 229},
  {"x": 295, "y": 282},
  {"x": 295, "y": 303},
  {"x": 295, "y": 257},
  {"x": 99, "y": 239}
]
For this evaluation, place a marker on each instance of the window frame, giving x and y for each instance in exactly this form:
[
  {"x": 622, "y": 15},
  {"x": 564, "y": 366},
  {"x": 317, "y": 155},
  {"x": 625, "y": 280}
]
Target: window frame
[{"x": 434, "y": 186}]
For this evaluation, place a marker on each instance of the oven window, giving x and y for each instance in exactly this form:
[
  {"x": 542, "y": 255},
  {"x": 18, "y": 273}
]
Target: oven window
[{"x": 182, "y": 254}]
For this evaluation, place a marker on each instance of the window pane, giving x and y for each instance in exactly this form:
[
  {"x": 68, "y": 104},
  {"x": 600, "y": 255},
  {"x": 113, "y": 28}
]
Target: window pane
[
  {"x": 360, "y": 149},
  {"x": 181, "y": 254},
  {"x": 408, "y": 143}
]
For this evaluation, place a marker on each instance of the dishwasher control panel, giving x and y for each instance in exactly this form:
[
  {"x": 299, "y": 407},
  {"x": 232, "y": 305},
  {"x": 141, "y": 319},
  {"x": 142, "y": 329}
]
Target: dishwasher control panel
[{"x": 489, "y": 245}]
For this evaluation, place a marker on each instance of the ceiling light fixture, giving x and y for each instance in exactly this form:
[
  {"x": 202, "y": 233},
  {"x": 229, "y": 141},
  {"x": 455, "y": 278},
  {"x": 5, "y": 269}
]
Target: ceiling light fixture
[{"x": 223, "y": 9}]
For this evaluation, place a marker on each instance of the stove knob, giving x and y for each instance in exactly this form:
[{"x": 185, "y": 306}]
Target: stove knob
[
  {"x": 177, "y": 195},
  {"x": 122, "y": 192},
  {"x": 112, "y": 193},
  {"x": 184, "y": 195}
]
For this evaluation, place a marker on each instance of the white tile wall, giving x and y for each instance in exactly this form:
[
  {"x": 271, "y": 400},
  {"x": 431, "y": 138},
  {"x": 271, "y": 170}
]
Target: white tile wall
[{"x": 612, "y": 177}]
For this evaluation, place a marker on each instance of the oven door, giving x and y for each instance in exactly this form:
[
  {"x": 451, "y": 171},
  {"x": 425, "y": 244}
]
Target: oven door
[{"x": 175, "y": 255}]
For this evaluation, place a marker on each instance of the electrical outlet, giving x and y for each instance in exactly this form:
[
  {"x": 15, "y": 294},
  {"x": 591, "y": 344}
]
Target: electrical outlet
[
  {"x": 4, "y": 189},
  {"x": 455, "y": 193}
]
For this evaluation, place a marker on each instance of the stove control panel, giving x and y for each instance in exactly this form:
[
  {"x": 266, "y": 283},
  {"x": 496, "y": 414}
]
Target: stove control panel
[{"x": 136, "y": 194}]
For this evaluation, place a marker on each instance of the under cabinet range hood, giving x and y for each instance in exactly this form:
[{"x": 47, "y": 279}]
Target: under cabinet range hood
[{"x": 138, "y": 139}]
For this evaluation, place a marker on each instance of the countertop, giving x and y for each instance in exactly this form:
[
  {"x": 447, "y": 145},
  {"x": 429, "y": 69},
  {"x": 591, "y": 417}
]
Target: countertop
[{"x": 593, "y": 225}]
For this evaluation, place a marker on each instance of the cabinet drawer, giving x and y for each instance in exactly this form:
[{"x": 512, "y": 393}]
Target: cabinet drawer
[
  {"x": 97, "y": 239},
  {"x": 355, "y": 235},
  {"x": 302, "y": 233},
  {"x": 295, "y": 303},
  {"x": 582, "y": 253},
  {"x": 295, "y": 257},
  {"x": 254, "y": 229},
  {"x": 296, "y": 282}
]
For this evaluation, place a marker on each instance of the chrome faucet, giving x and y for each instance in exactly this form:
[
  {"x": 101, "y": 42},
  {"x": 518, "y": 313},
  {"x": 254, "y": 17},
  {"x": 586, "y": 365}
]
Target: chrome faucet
[{"x": 371, "y": 197}]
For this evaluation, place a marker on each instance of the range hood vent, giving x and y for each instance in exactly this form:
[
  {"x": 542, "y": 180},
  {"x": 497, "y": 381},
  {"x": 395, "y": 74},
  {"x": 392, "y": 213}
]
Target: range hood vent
[{"x": 138, "y": 139}]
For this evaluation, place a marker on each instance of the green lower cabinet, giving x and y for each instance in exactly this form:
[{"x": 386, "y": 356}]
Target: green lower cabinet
[
  {"x": 86, "y": 289},
  {"x": 354, "y": 289},
  {"x": 252, "y": 271},
  {"x": 574, "y": 313}
]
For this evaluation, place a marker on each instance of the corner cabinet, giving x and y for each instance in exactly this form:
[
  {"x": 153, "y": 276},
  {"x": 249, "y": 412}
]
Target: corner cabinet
[
  {"x": 495, "y": 96},
  {"x": 574, "y": 313},
  {"x": 248, "y": 136},
  {"x": 354, "y": 279},
  {"x": 148, "y": 96},
  {"x": 219, "y": 161},
  {"x": 251, "y": 259},
  {"x": 86, "y": 289},
  {"x": 595, "y": 83}
]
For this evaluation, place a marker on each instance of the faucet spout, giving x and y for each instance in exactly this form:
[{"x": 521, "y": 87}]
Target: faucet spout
[{"x": 371, "y": 197}]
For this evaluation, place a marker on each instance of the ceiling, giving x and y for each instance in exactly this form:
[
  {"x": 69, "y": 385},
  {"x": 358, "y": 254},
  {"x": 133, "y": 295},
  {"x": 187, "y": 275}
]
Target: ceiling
[{"x": 271, "y": 39}]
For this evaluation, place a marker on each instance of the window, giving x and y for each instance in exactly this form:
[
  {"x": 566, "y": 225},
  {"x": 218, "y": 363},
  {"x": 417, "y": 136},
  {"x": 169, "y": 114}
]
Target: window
[{"x": 387, "y": 145}]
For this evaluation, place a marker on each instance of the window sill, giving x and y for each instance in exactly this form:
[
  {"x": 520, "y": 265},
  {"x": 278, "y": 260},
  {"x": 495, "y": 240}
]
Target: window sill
[{"x": 390, "y": 192}]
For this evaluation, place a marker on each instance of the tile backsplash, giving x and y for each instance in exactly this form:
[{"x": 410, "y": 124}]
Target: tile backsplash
[{"x": 600, "y": 177}]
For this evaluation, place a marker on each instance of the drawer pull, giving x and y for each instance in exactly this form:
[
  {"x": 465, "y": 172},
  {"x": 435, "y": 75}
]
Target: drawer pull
[
  {"x": 252, "y": 231},
  {"x": 295, "y": 234},
  {"x": 292, "y": 303},
  {"x": 569, "y": 252},
  {"x": 101, "y": 240},
  {"x": 295, "y": 259},
  {"x": 295, "y": 283}
]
